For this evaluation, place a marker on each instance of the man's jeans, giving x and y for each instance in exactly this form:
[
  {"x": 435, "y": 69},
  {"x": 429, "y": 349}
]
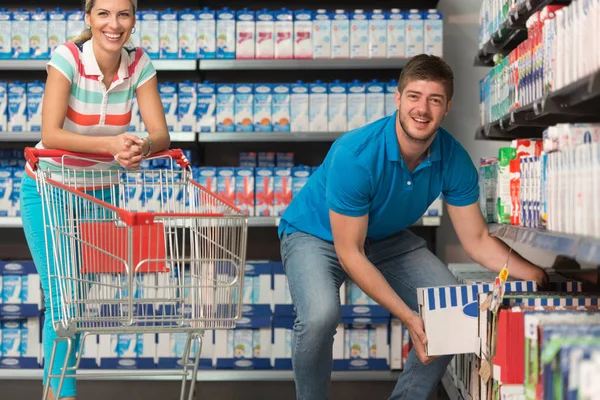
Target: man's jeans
[{"x": 315, "y": 275}]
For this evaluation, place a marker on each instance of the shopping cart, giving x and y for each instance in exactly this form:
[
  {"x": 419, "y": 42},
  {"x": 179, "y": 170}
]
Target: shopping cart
[{"x": 137, "y": 251}]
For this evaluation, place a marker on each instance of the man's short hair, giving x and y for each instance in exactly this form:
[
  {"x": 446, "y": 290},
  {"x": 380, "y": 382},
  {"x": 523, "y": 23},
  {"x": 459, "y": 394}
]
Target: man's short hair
[{"x": 427, "y": 68}]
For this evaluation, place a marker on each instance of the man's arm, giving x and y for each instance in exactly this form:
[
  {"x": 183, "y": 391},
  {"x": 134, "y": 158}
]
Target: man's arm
[{"x": 487, "y": 250}]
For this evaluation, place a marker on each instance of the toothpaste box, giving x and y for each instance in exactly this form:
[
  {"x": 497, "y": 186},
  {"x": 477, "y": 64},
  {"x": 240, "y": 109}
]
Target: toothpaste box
[
  {"x": 299, "y": 107},
  {"x": 206, "y": 107},
  {"x": 433, "y": 33},
  {"x": 377, "y": 34},
  {"x": 337, "y": 107},
  {"x": 300, "y": 176},
  {"x": 280, "y": 107},
  {"x": 38, "y": 35},
  {"x": 285, "y": 160},
  {"x": 284, "y": 30},
  {"x": 391, "y": 88},
  {"x": 359, "y": 34},
  {"x": 5, "y": 34},
  {"x": 226, "y": 183},
  {"x": 20, "y": 34},
  {"x": 134, "y": 123},
  {"x": 317, "y": 108},
  {"x": 75, "y": 24},
  {"x": 263, "y": 192},
  {"x": 169, "y": 46},
  {"x": 248, "y": 159},
  {"x": 396, "y": 31},
  {"x": 357, "y": 105},
  {"x": 3, "y": 107},
  {"x": 244, "y": 190},
  {"x": 35, "y": 94},
  {"x": 265, "y": 34},
  {"x": 207, "y": 33},
  {"x": 243, "y": 107},
  {"x": 303, "y": 28},
  {"x": 321, "y": 34},
  {"x": 225, "y": 108},
  {"x": 150, "y": 26},
  {"x": 187, "y": 33},
  {"x": 375, "y": 108},
  {"x": 282, "y": 194},
  {"x": 225, "y": 34},
  {"x": 168, "y": 95},
  {"x": 340, "y": 35},
  {"x": 206, "y": 177},
  {"x": 187, "y": 102},
  {"x": 414, "y": 33},
  {"x": 266, "y": 159},
  {"x": 262, "y": 111},
  {"x": 11, "y": 339},
  {"x": 17, "y": 106},
  {"x": 245, "y": 34}
]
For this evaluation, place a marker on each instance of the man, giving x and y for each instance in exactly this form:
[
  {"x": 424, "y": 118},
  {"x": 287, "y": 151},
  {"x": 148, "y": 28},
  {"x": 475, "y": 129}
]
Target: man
[{"x": 350, "y": 220}]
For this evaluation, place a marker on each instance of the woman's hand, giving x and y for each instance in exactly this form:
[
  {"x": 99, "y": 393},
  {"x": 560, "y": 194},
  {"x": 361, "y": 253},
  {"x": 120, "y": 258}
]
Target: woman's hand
[{"x": 127, "y": 150}]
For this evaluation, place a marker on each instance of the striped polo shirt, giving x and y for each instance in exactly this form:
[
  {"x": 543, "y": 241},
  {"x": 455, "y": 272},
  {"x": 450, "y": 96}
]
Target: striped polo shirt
[{"x": 93, "y": 108}]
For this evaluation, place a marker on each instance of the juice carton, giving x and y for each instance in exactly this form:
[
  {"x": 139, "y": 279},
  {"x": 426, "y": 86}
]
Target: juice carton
[
  {"x": 300, "y": 176},
  {"x": 243, "y": 106},
  {"x": 395, "y": 34},
  {"x": 5, "y": 34},
  {"x": 377, "y": 34},
  {"x": 57, "y": 29},
  {"x": 284, "y": 159},
  {"x": 263, "y": 192},
  {"x": 35, "y": 94},
  {"x": 337, "y": 106},
  {"x": 282, "y": 190},
  {"x": 225, "y": 108},
  {"x": 414, "y": 33},
  {"x": 390, "y": 94},
  {"x": 186, "y": 106},
  {"x": 3, "y": 107},
  {"x": 265, "y": 34},
  {"x": 281, "y": 107},
  {"x": 20, "y": 34},
  {"x": 207, "y": 177},
  {"x": 317, "y": 107},
  {"x": 322, "y": 34},
  {"x": 357, "y": 105},
  {"x": 225, "y": 34},
  {"x": 375, "y": 101},
  {"x": 266, "y": 159},
  {"x": 245, "y": 34},
  {"x": 207, "y": 33},
  {"x": 262, "y": 111},
  {"x": 226, "y": 183},
  {"x": 244, "y": 190},
  {"x": 303, "y": 28},
  {"x": 168, "y": 96},
  {"x": 188, "y": 47},
  {"x": 284, "y": 29},
  {"x": 206, "y": 107},
  {"x": 75, "y": 24},
  {"x": 169, "y": 46},
  {"x": 38, "y": 31},
  {"x": 248, "y": 159},
  {"x": 340, "y": 35},
  {"x": 299, "y": 107},
  {"x": 17, "y": 107},
  {"x": 359, "y": 34},
  {"x": 150, "y": 33},
  {"x": 433, "y": 33}
]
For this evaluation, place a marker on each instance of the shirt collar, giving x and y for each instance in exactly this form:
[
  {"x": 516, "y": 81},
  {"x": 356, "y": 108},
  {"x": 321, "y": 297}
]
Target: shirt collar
[
  {"x": 91, "y": 67},
  {"x": 392, "y": 146}
]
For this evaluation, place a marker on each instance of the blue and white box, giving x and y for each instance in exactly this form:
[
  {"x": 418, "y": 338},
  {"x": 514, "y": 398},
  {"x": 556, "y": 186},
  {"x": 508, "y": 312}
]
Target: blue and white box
[
  {"x": 260, "y": 272},
  {"x": 225, "y": 108},
  {"x": 299, "y": 107},
  {"x": 3, "y": 107},
  {"x": 186, "y": 106},
  {"x": 136, "y": 36},
  {"x": 245, "y": 33},
  {"x": 206, "y": 177},
  {"x": 303, "y": 29},
  {"x": 357, "y": 105},
  {"x": 38, "y": 33},
  {"x": 375, "y": 108},
  {"x": 134, "y": 123},
  {"x": 359, "y": 35},
  {"x": 281, "y": 107},
  {"x": 17, "y": 106},
  {"x": 318, "y": 110},
  {"x": 207, "y": 34},
  {"x": 265, "y": 34},
  {"x": 25, "y": 289},
  {"x": 5, "y": 34},
  {"x": 283, "y": 159},
  {"x": 396, "y": 32},
  {"x": 169, "y": 47},
  {"x": 300, "y": 176},
  {"x": 171, "y": 346},
  {"x": 338, "y": 107},
  {"x": 35, "y": 96},
  {"x": 11, "y": 338},
  {"x": 244, "y": 190},
  {"x": 414, "y": 33},
  {"x": 433, "y": 33},
  {"x": 358, "y": 343},
  {"x": 248, "y": 159},
  {"x": 243, "y": 107},
  {"x": 391, "y": 88},
  {"x": 15, "y": 195},
  {"x": 150, "y": 25},
  {"x": 5, "y": 191},
  {"x": 188, "y": 47},
  {"x": 340, "y": 35},
  {"x": 20, "y": 34},
  {"x": 377, "y": 34},
  {"x": 75, "y": 24},
  {"x": 57, "y": 29},
  {"x": 281, "y": 291},
  {"x": 206, "y": 109},
  {"x": 262, "y": 108},
  {"x": 168, "y": 96},
  {"x": 322, "y": 34},
  {"x": 284, "y": 33},
  {"x": 226, "y": 34},
  {"x": 11, "y": 289}
]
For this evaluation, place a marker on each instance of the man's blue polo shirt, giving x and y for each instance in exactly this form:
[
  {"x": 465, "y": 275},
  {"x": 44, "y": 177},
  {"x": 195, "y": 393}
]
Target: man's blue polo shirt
[{"x": 364, "y": 173}]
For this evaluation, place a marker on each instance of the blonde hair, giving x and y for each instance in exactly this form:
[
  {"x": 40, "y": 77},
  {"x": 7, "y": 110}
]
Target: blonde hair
[{"x": 87, "y": 33}]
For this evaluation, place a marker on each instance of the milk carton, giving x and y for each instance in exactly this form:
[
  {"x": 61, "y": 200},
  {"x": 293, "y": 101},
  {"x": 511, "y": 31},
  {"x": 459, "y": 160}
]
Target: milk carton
[
  {"x": 359, "y": 34},
  {"x": 57, "y": 29},
  {"x": 207, "y": 177},
  {"x": 226, "y": 183},
  {"x": 281, "y": 108},
  {"x": 136, "y": 35},
  {"x": 262, "y": 111},
  {"x": 243, "y": 106},
  {"x": 375, "y": 101},
  {"x": 225, "y": 108},
  {"x": 169, "y": 46},
  {"x": 396, "y": 32},
  {"x": 284, "y": 29},
  {"x": 75, "y": 24},
  {"x": 299, "y": 106},
  {"x": 390, "y": 97},
  {"x": 168, "y": 95},
  {"x": 248, "y": 159},
  {"x": 38, "y": 35},
  {"x": 357, "y": 104},
  {"x": 284, "y": 159},
  {"x": 300, "y": 176},
  {"x": 5, "y": 193},
  {"x": 5, "y": 34},
  {"x": 245, "y": 33},
  {"x": 321, "y": 34},
  {"x": 187, "y": 29},
  {"x": 265, "y": 34},
  {"x": 414, "y": 33},
  {"x": 225, "y": 33},
  {"x": 15, "y": 195},
  {"x": 186, "y": 106},
  {"x": 337, "y": 107},
  {"x": 3, "y": 107},
  {"x": 11, "y": 287},
  {"x": 282, "y": 190},
  {"x": 318, "y": 96},
  {"x": 377, "y": 34},
  {"x": 150, "y": 25},
  {"x": 244, "y": 190},
  {"x": 207, "y": 33},
  {"x": 35, "y": 94},
  {"x": 11, "y": 339},
  {"x": 206, "y": 107},
  {"x": 263, "y": 192},
  {"x": 30, "y": 334},
  {"x": 303, "y": 27},
  {"x": 433, "y": 32},
  {"x": 340, "y": 35},
  {"x": 134, "y": 124},
  {"x": 17, "y": 107},
  {"x": 266, "y": 159},
  {"x": 20, "y": 34}
]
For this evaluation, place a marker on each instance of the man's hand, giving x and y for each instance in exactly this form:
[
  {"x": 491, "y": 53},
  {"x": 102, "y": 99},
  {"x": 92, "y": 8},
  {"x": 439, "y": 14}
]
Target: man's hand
[{"x": 416, "y": 329}]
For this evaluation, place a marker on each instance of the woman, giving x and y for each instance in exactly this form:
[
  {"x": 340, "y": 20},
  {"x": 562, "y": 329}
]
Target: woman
[{"x": 87, "y": 108}]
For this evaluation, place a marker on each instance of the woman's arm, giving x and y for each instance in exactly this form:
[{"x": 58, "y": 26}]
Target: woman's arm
[{"x": 153, "y": 115}]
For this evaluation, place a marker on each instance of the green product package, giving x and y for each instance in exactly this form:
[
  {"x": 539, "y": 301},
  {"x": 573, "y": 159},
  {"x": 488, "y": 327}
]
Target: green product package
[{"x": 503, "y": 201}]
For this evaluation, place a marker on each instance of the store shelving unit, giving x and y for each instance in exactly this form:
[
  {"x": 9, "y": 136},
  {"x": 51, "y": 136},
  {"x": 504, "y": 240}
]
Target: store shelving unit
[
  {"x": 40, "y": 65},
  {"x": 450, "y": 387},
  {"x": 373, "y": 63},
  {"x": 216, "y": 137},
  {"x": 17, "y": 137}
]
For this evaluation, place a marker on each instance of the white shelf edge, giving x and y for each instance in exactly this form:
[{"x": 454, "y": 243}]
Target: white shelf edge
[
  {"x": 11, "y": 222},
  {"x": 216, "y": 137},
  {"x": 175, "y": 65},
  {"x": 20, "y": 136},
  {"x": 234, "y": 64}
]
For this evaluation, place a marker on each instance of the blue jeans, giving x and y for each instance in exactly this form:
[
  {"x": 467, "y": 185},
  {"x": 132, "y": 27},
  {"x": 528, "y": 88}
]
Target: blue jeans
[{"x": 315, "y": 276}]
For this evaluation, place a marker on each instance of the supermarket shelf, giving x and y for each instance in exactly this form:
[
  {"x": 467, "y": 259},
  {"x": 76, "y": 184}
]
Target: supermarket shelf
[
  {"x": 216, "y": 137},
  {"x": 450, "y": 387},
  {"x": 175, "y": 65},
  {"x": 209, "y": 65},
  {"x": 10, "y": 222},
  {"x": 581, "y": 248},
  {"x": 20, "y": 136},
  {"x": 263, "y": 222},
  {"x": 40, "y": 65},
  {"x": 183, "y": 136}
]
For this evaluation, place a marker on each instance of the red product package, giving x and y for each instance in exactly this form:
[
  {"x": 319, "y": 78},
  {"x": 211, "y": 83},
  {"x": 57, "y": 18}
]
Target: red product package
[{"x": 515, "y": 191}]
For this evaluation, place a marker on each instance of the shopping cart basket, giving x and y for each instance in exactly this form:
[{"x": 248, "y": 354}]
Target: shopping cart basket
[{"x": 137, "y": 251}]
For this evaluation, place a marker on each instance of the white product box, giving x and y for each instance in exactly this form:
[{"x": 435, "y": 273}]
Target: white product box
[
  {"x": 414, "y": 33},
  {"x": 35, "y": 96},
  {"x": 150, "y": 32},
  {"x": 303, "y": 29},
  {"x": 378, "y": 34},
  {"x": 433, "y": 33},
  {"x": 134, "y": 124},
  {"x": 226, "y": 45},
  {"x": 168, "y": 25},
  {"x": 281, "y": 108},
  {"x": 3, "y": 107},
  {"x": 337, "y": 107},
  {"x": 375, "y": 106},
  {"x": 262, "y": 107},
  {"x": 11, "y": 289},
  {"x": 5, "y": 33},
  {"x": 6, "y": 186},
  {"x": 206, "y": 30},
  {"x": 284, "y": 32},
  {"x": 225, "y": 108},
  {"x": 265, "y": 34},
  {"x": 168, "y": 96},
  {"x": 20, "y": 34},
  {"x": 245, "y": 33},
  {"x": 76, "y": 25},
  {"x": 357, "y": 105},
  {"x": 17, "y": 106},
  {"x": 396, "y": 344},
  {"x": 318, "y": 112},
  {"x": 340, "y": 35},
  {"x": 322, "y": 34},
  {"x": 359, "y": 35},
  {"x": 187, "y": 33},
  {"x": 11, "y": 339},
  {"x": 30, "y": 338},
  {"x": 396, "y": 32},
  {"x": 391, "y": 88},
  {"x": 38, "y": 31},
  {"x": 206, "y": 107},
  {"x": 358, "y": 343},
  {"x": 299, "y": 107},
  {"x": 186, "y": 107}
]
